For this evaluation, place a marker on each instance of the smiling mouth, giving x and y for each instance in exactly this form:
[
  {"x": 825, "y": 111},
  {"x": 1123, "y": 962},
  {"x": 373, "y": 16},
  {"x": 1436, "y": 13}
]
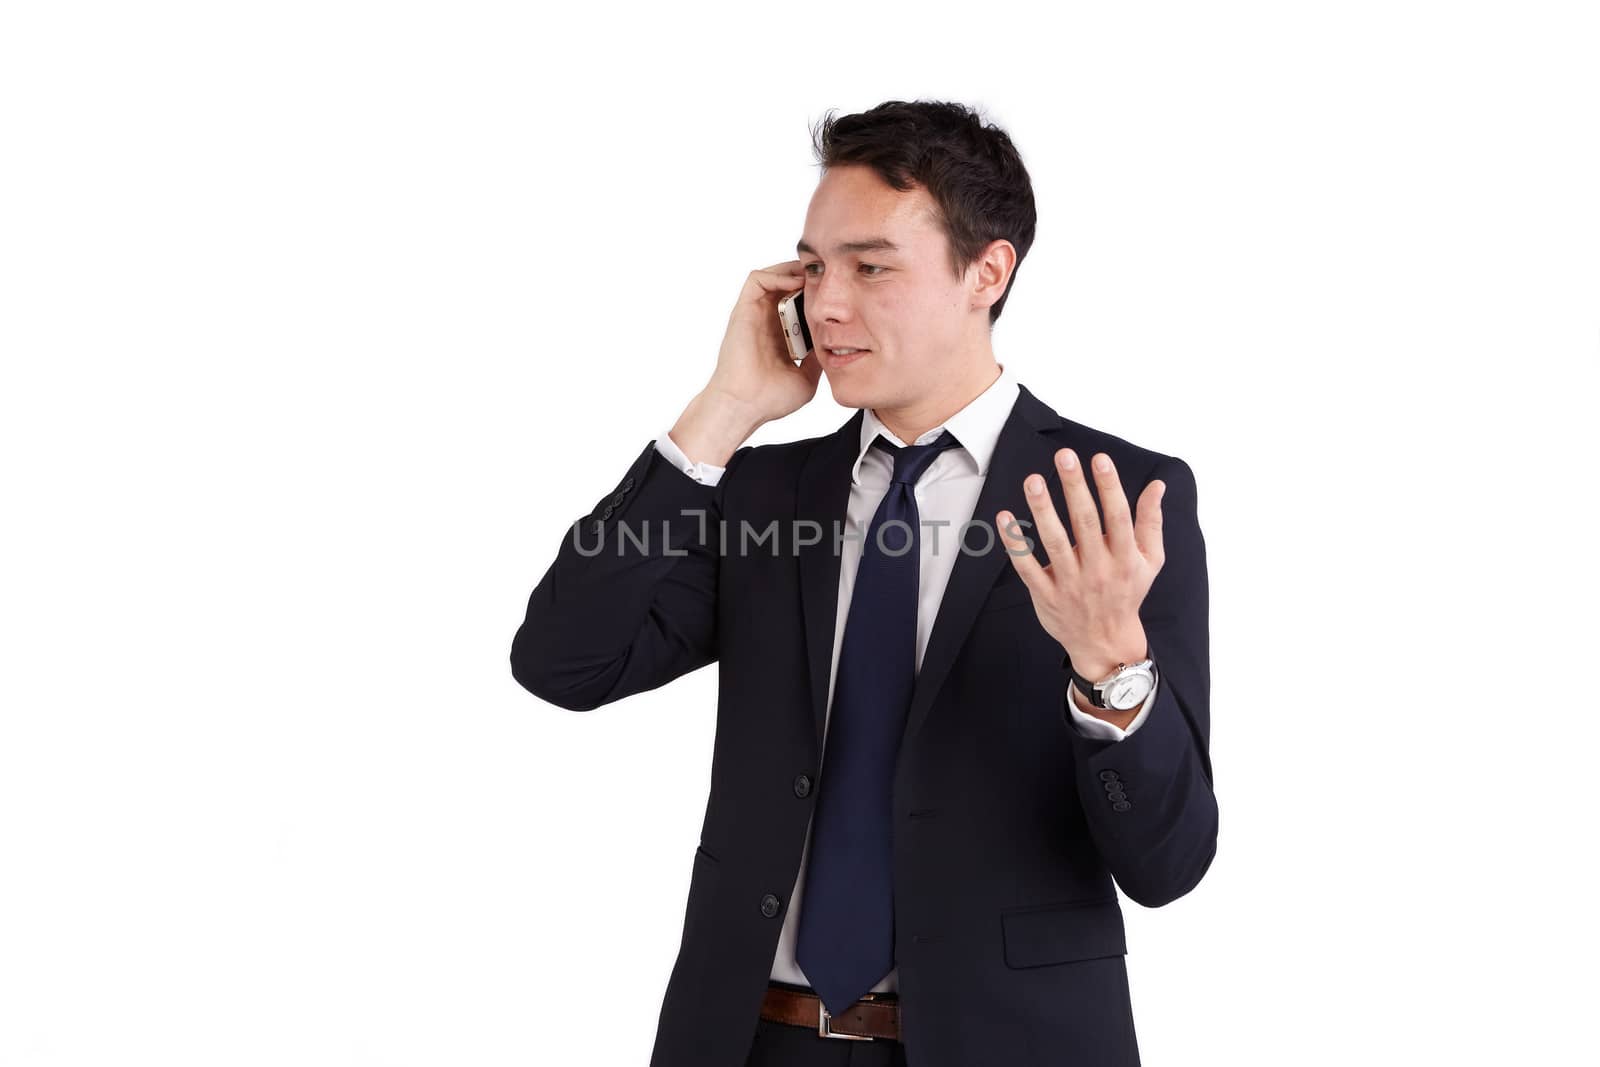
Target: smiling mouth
[{"x": 838, "y": 358}]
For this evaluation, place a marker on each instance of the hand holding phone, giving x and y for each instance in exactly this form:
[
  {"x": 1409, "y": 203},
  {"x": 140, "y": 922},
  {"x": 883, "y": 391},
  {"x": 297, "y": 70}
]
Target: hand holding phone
[{"x": 757, "y": 367}]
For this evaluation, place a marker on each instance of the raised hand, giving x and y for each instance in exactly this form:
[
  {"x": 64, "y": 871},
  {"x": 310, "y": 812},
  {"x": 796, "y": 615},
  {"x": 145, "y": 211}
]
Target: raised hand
[{"x": 1089, "y": 594}]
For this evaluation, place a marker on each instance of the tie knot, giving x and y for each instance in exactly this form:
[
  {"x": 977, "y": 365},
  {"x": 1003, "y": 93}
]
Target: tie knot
[{"x": 910, "y": 461}]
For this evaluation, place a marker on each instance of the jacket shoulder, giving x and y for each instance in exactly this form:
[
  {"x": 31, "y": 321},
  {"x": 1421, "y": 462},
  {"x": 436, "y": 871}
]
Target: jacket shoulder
[
  {"x": 1086, "y": 440},
  {"x": 775, "y": 459}
]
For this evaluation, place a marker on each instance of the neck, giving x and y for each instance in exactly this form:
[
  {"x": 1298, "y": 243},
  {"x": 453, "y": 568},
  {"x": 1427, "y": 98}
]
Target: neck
[{"x": 915, "y": 419}]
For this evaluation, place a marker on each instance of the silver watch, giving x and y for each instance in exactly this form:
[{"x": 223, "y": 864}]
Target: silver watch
[{"x": 1125, "y": 688}]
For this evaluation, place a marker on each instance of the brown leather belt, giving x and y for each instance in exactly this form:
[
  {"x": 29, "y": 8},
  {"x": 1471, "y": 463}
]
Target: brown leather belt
[{"x": 875, "y": 1015}]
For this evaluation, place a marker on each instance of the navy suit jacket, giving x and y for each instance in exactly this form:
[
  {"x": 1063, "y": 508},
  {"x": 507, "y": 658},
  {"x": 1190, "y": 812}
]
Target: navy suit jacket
[{"x": 1008, "y": 844}]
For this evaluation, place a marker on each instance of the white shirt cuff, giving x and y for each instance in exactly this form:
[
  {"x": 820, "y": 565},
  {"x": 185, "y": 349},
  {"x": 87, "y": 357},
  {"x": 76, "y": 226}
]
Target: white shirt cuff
[
  {"x": 1099, "y": 729},
  {"x": 705, "y": 473}
]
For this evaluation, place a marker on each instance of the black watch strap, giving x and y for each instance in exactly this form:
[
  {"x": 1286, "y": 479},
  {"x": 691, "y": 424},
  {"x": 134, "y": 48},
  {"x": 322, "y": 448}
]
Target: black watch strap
[{"x": 1085, "y": 687}]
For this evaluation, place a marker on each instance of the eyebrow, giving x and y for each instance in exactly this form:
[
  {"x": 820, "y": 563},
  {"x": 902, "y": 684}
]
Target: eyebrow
[{"x": 871, "y": 244}]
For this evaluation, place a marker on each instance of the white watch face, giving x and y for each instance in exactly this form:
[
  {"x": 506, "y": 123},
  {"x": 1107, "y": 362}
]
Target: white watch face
[{"x": 1128, "y": 691}]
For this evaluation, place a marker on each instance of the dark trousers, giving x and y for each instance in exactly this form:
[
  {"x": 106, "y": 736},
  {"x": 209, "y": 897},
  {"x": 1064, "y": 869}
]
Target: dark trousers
[{"x": 786, "y": 1045}]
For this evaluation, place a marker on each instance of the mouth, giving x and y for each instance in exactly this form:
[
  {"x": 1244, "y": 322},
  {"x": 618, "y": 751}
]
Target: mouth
[{"x": 835, "y": 357}]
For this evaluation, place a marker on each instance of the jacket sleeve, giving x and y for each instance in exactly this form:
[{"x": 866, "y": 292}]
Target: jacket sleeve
[
  {"x": 630, "y": 602},
  {"x": 1148, "y": 798}
]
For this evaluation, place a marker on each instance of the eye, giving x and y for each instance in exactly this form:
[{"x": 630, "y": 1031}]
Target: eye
[{"x": 874, "y": 268}]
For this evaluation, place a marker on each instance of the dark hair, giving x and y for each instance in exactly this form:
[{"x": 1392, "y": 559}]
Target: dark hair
[{"x": 970, "y": 168}]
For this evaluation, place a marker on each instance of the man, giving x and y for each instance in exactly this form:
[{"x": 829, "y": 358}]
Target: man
[{"x": 923, "y": 794}]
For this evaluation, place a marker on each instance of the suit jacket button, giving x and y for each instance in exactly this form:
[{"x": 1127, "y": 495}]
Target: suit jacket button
[
  {"x": 606, "y": 514},
  {"x": 627, "y": 484},
  {"x": 1113, "y": 785},
  {"x": 1119, "y": 795},
  {"x": 802, "y": 786},
  {"x": 1121, "y": 805},
  {"x": 1108, "y": 776},
  {"x": 769, "y": 905}
]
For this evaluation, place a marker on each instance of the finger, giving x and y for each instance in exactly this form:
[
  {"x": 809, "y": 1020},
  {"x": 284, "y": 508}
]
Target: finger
[
  {"x": 1113, "y": 504},
  {"x": 760, "y": 283},
  {"x": 1081, "y": 511},
  {"x": 789, "y": 269},
  {"x": 1052, "y": 534},
  {"x": 1011, "y": 533},
  {"x": 1147, "y": 531}
]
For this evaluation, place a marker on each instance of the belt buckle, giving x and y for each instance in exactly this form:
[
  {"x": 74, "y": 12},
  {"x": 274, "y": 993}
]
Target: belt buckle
[{"x": 825, "y": 1027}]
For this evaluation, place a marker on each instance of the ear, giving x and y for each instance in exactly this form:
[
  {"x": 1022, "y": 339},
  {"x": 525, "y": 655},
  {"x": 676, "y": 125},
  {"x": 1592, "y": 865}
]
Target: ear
[{"x": 989, "y": 273}]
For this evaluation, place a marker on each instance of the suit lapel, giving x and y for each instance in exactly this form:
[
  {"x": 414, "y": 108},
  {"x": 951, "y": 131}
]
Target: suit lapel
[
  {"x": 1022, "y": 449},
  {"x": 823, "y": 496}
]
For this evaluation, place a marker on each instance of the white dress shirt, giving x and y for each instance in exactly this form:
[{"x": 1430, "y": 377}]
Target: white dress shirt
[{"x": 947, "y": 492}]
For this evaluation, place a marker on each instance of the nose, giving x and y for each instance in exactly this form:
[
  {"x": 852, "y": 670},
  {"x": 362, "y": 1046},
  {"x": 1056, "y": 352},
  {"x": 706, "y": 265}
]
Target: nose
[{"x": 827, "y": 298}]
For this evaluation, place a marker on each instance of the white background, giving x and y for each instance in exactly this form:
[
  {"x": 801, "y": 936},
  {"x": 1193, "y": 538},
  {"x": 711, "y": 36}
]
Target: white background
[{"x": 322, "y": 321}]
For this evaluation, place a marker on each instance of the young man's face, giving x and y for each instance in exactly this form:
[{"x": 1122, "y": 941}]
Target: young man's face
[{"x": 902, "y": 304}]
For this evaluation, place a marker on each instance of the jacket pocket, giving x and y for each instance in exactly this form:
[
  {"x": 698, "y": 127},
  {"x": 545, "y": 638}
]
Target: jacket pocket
[{"x": 1063, "y": 933}]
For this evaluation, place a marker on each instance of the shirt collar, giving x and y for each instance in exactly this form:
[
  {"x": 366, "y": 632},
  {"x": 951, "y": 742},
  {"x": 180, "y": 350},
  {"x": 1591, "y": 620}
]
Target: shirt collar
[{"x": 976, "y": 426}]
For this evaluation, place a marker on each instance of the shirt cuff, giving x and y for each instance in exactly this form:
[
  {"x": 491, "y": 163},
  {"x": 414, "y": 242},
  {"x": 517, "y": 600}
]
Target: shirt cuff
[
  {"x": 705, "y": 473},
  {"x": 1099, "y": 729}
]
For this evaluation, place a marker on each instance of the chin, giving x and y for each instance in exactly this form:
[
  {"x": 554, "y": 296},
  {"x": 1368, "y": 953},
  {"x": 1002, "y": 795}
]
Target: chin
[{"x": 851, "y": 394}]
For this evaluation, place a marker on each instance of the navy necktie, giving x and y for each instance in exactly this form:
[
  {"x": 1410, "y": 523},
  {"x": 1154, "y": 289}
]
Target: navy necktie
[{"x": 845, "y": 943}]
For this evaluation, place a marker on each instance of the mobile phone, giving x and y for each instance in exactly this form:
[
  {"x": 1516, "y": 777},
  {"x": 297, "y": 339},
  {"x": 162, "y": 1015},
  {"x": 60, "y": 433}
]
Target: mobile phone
[{"x": 792, "y": 313}]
